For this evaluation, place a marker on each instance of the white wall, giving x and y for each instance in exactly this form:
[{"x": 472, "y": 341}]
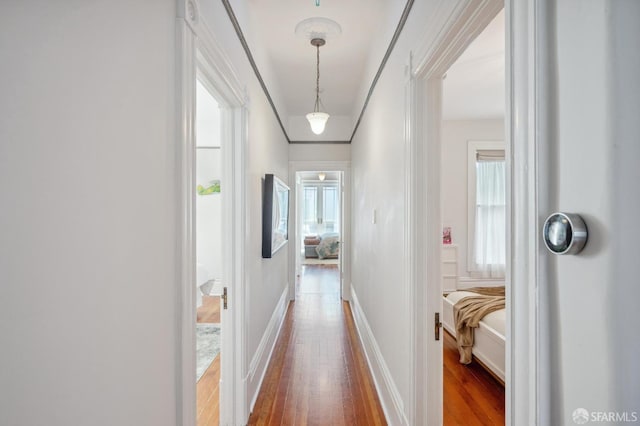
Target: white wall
[
  {"x": 377, "y": 155},
  {"x": 319, "y": 152},
  {"x": 266, "y": 278},
  {"x": 208, "y": 168},
  {"x": 88, "y": 222},
  {"x": 209, "y": 214},
  {"x": 592, "y": 298},
  {"x": 455, "y": 137},
  {"x": 88, "y": 260}
]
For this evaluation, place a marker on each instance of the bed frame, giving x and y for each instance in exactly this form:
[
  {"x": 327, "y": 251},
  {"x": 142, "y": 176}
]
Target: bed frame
[{"x": 488, "y": 344}]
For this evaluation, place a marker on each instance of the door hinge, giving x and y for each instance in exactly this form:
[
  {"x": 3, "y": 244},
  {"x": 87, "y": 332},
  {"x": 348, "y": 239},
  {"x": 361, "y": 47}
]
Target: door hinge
[
  {"x": 224, "y": 298},
  {"x": 437, "y": 326}
]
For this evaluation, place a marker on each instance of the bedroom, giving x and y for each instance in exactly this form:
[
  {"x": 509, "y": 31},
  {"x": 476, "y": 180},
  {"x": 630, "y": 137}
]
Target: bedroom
[{"x": 473, "y": 220}]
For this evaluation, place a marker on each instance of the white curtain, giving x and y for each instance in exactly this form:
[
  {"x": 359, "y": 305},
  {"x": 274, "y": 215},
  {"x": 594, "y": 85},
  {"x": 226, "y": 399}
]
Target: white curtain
[{"x": 490, "y": 233}]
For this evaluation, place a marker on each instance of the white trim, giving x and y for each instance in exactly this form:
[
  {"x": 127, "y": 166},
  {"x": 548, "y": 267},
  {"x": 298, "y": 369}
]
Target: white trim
[
  {"x": 261, "y": 358},
  {"x": 390, "y": 397},
  {"x": 424, "y": 237},
  {"x": 200, "y": 58},
  {"x": 465, "y": 19},
  {"x": 345, "y": 237},
  {"x": 526, "y": 23},
  {"x": 214, "y": 60},
  {"x": 186, "y": 359}
]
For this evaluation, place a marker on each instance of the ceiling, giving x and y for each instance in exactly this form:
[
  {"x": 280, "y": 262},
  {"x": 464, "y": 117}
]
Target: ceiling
[
  {"x": 343, "y": 59},
  {"x": 293, "y": 59},
  {"x": 313, "y": 176},
  {"x": 474, "y": 87}
]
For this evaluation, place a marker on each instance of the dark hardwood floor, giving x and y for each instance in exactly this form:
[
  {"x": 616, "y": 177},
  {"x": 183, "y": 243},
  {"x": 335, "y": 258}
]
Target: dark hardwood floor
[
  {"x": 318, "y": 374},
  {"x": 472, "y": 396},
  {"x": 207, "y": 389}
]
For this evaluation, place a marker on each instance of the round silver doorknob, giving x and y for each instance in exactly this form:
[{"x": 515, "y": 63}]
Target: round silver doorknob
[{"x": 564, "y": 233}]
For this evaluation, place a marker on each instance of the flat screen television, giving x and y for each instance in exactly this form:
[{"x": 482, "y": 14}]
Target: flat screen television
[{"x": 275, "y": 215}]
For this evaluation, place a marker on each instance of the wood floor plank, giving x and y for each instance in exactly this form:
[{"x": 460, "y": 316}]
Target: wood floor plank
[
  {"x": 472, "y": 396},
  {"x": 318, "y": 374},
  {"x": 209, "y": 312},
  {"x": 207, "y": 388}
]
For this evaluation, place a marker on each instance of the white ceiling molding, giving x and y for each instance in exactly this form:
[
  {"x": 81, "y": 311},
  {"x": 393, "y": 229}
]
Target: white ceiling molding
[{"x": 474, "y": 87}]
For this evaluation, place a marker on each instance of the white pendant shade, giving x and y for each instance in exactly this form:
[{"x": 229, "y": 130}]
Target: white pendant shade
[{"x": 317, "y": 120}]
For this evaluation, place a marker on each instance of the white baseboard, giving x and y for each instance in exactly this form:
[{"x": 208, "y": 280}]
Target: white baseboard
[
  {"x": 390, "y": 399},
  {"x": 260, "y": 360}
]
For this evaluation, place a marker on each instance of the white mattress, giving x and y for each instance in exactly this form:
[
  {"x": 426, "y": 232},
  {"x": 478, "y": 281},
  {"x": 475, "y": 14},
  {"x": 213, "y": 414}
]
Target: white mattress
[{"x": 496, "y": 320}]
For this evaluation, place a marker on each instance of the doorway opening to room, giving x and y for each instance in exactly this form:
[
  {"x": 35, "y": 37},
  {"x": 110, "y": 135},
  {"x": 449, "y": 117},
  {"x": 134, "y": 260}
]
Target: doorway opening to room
[
  {"x": 209, "y": 258},
  {"x": 211, "y": 140},
  {"x": 435, "y": 233},
  {"x": 319, "y": 223},
  {"x": 319, "y": 217},
  {"x": 321, "y": 226},
  {"x": 474, "y": 247}
]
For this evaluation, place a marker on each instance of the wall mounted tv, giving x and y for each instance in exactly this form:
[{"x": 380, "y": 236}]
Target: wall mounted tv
[{"x": 275, "y": 215}]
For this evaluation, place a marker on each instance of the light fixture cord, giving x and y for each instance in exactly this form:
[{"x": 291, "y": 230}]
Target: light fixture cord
[{"x": 317, "y": 106}]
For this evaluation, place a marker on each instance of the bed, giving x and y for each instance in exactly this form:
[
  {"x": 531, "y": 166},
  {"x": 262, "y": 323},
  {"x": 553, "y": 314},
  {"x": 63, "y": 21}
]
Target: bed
[{"x": 489, "y": 337}]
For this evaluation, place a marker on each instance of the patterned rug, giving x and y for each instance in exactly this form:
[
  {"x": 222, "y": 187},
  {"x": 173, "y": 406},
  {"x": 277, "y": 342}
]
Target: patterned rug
[{"x": 207, "y": 346}]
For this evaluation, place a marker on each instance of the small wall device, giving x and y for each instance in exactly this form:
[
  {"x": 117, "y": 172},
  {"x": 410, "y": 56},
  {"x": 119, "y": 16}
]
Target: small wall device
[{"x": 564, "y": 233}]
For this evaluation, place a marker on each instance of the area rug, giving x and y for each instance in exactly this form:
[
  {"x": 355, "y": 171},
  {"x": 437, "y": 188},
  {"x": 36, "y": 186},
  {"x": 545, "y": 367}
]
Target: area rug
[{"x": 207, "y": 346}]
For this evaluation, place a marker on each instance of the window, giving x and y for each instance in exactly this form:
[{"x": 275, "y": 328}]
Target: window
[
  {"x": 487, "y": 209},
  {"x": 310, "y": 203},
  {"x": 330, "y": 206},
  {"x": 321, "y": 208}
]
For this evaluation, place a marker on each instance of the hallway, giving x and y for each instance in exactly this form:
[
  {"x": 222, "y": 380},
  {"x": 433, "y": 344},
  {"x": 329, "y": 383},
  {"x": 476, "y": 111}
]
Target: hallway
[{"x": 318, "y": 374}]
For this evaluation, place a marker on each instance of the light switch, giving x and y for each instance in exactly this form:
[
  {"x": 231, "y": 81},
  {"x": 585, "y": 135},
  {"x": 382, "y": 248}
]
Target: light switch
[{"x": 374, "y": 216}]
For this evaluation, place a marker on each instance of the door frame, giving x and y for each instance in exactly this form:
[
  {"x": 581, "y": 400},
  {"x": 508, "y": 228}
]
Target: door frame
[
  {"x": 345, "y": 234},
  {"x": 199, "y": 56},
  {"x": 463, "y": 21}
]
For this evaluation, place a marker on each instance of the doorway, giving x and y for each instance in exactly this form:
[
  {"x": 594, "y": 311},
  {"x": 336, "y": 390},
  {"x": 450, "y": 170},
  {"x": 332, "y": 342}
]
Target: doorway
[
  {"x": 465, "y": 22},
  {"x": 204, "y": 72},
  {"x": 321, "y": 205},
  {"x": 474, "y": 249},
  {"x": 208, "y": 230},
  {"x": 319, "y": 217}
]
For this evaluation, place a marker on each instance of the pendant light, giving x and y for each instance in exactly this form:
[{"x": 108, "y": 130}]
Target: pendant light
[{"x": 317, "y": 119}]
